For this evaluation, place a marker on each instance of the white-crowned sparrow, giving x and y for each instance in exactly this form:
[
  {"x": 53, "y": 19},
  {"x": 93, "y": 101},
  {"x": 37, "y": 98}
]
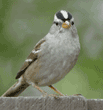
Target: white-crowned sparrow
[{"x": 52, "y": 57}]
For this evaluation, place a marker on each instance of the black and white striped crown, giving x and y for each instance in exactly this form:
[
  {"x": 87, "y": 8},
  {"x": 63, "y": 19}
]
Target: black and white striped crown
[{"x": 62, "y": 16}]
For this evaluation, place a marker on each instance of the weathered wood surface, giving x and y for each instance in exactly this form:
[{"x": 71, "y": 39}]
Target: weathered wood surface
[{"x": 50, "y": 103}]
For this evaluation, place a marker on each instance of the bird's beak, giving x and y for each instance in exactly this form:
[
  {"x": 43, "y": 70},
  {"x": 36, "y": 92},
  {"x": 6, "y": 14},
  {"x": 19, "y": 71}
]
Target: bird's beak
[{"x": 66, "y": 24}]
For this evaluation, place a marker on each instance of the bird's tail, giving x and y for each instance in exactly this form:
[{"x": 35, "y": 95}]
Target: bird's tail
[{"x": 16, "y": 89}]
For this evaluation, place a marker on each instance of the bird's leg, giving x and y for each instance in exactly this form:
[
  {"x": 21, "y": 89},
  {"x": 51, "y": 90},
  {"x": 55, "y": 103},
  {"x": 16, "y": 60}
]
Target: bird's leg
[
  {"x": 60, "y": 92},
  {"x": 56, "y": 90},
  {"x": 37, "y": 87}
]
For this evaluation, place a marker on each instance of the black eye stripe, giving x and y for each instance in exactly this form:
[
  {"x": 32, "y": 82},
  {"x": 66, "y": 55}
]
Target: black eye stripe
[{"x": 60, "y": 16}]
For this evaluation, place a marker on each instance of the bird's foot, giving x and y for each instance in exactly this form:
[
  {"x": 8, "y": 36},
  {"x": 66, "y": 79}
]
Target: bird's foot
[
  {"x": 54, "y": 95},
  {"x": 44, "y": 94}
]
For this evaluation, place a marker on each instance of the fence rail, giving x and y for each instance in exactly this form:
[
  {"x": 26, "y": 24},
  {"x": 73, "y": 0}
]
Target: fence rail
[{"x": 50, "y": 103}]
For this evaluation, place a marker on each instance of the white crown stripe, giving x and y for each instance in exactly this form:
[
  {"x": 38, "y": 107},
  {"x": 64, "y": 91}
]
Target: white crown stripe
[
  {"x": 64, "y": 13},
  {"x": 72, "y": 19},
  {"x": 56, "y": 19}
]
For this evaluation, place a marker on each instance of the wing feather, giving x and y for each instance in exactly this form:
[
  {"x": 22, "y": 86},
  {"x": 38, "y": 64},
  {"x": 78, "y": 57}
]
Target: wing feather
[{"x": 31, "y": 58}]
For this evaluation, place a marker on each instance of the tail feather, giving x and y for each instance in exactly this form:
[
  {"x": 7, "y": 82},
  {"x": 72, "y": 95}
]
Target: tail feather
[{"x": 16, "y": 89}]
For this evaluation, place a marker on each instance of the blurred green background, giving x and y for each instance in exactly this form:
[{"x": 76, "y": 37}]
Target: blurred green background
[{"x": 24, "y": 22}]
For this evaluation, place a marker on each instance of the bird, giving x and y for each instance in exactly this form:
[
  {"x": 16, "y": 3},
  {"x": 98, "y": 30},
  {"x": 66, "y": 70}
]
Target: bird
[{"x": 51, "y": 59}]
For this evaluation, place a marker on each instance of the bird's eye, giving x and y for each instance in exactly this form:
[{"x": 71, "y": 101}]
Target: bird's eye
[
  {"x": 72, "y": 23},
  {"x": 56, "y": 23}
]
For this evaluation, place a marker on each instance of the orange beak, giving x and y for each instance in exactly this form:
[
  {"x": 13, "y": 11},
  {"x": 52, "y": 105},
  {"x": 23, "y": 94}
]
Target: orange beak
[{"x": 64, "y": 25}]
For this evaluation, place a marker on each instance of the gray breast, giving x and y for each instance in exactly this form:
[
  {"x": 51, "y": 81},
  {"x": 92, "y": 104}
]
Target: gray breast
[{"x": 58, "y": 56}]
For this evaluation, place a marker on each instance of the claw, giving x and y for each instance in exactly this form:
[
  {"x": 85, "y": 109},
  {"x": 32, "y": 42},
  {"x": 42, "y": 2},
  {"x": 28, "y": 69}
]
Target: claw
[
  {"x": 54, "y": 95},
  {"x": 44, "y": 94}
]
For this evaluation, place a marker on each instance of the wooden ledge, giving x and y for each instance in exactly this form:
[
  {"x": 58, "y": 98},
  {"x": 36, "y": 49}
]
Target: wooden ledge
[{"x": 50, "y": 103}]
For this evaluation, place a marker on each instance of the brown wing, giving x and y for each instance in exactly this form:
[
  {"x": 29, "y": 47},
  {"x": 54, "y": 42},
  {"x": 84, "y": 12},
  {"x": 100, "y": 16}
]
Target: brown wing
[{"x": 31, "y": 58}]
